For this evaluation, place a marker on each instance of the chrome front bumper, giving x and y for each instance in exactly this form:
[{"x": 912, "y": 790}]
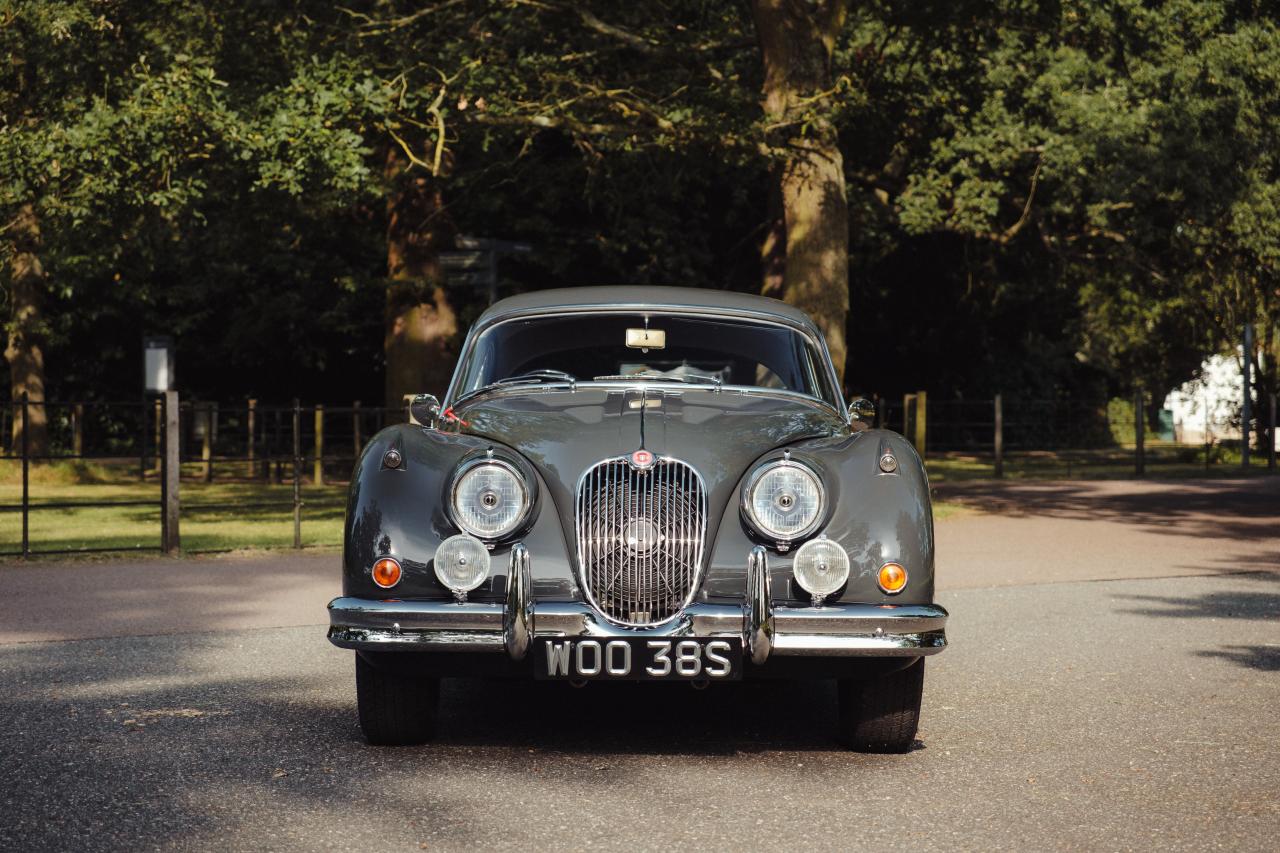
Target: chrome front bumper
[{"x": 842, "y": 630}]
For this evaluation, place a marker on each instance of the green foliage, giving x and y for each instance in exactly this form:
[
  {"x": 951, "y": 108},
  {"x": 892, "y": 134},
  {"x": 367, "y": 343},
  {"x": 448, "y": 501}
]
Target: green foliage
[
  {"x": 1135, "y": 143},
  {"x": 1046, "y": 197}
]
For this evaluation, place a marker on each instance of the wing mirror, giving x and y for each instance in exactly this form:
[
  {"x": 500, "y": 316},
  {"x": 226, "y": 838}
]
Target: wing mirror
[
  {"x": 862, "y": 411},
  {"x": 424, "y": 409}
]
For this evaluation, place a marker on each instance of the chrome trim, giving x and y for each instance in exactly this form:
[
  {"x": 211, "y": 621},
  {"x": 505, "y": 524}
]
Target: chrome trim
[
  {"x": 577, "y": 619},
  {"x": 840, "y": 630},
  {"x": 846, "y": 630},
  {"x": 862, "y": 633},
  {"x": 517, "y": 616},
  {"x": 869, "y": 619},
  {"x": 644, "y": 494},
  {"x": 783, "y": 544},
  {"x": 758, "y": 618},
  {"x": 361, "y": 623},
  {"x": 823, "y": 645},
  {"x": 425, "y": 405},
  {"x": 861, "y": 410},
  {"x": 451, "y": 505}
]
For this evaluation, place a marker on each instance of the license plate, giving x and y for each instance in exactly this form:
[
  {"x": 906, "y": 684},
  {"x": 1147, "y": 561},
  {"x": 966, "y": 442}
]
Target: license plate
[{"x": 639, "y": 659}]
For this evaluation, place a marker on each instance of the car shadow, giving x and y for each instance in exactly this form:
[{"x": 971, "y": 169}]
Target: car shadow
[{"x": 641, "y": 718}]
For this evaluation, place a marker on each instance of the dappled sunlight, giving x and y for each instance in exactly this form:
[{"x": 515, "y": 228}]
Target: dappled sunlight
[
  {"x": 214, "y": 517},
  {"x": 1249, "y": 597},
  {"x": 163, "y": 596},
  {"x": 1217, "y": 509}
]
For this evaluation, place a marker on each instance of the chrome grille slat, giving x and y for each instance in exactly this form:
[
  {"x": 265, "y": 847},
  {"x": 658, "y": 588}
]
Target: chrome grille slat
[{"x": 635, "y": 585}]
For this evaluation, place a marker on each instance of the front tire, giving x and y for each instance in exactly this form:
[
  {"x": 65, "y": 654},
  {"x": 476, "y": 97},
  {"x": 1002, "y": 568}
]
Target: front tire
[
  {"x": 882, "y": 714},
  {"x": 396, "y": 709}
]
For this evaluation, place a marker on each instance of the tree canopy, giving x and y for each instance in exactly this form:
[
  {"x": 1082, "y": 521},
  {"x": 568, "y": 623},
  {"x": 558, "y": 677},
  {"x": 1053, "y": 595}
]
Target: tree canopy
[{"x": 1034, "y": 197}]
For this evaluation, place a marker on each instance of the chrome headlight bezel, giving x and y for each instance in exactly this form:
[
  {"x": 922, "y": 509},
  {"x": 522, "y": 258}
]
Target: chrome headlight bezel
[
  {"x": 783, "y": 540},
  {"x": 458, "y": 518}
]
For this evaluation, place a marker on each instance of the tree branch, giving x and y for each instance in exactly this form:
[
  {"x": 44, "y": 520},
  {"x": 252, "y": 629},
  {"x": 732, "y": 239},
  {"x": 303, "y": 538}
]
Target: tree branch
[{"x": 377, "y": 27}]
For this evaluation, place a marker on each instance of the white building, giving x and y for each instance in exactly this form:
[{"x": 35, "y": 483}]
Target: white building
[{"x": 1208, "y": 404}]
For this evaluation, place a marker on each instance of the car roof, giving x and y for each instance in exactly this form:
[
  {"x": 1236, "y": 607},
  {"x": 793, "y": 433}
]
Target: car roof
[{"x": 639, "y": 297}]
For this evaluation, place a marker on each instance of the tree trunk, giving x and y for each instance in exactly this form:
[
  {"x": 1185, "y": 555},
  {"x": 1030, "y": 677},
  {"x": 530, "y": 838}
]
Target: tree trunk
[
  {"x": 796, "y": 40},
  {"x": 421, "y": 324},
  {"x": 26, "y": 331},
  {"x": 773, "y": 249}
]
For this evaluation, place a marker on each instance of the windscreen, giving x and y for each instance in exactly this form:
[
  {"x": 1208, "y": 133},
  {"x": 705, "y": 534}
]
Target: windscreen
[{"x": 617, "y": 347}]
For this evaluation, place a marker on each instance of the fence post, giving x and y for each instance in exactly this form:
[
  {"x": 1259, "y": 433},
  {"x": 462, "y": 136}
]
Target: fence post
[
  {"x": 318, "y": 472},
  {"x": 159, "y": 435},
  {"x": 170, "y": 474},
  {"x": 1271, "y": 446},
  {"x": 999, "y": 437},
  {"x": 206, "y": 446},
  {"x": 214, "y": 414},
  {"x": 142, "y": 443},
  {"x": 1139, "y": 433},
  {"x": 297, "y": 474},
  {"x": 356, "y": 441},
  {"x": 249, "y": 419},
  {"x": 277, "y": 448},
  {"x": 77, "y": 429},
  {"x": 922, "y": 421},
  {"x": 906, "y": 413},
  {"x": 26, "y": 480}
]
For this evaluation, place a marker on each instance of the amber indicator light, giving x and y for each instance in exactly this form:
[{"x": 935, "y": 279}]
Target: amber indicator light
[
  {"x": 386, "y": 573},
  {"x": 892, "y": 578}
]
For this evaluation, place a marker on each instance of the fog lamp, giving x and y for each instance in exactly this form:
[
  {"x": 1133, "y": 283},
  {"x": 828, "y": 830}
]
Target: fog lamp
[
  {"x": 462, "y": 563},
  {"x": 821, "y": 567},
  {"x": 892, "y": 578},
  {"x": 386, "y": 572}
]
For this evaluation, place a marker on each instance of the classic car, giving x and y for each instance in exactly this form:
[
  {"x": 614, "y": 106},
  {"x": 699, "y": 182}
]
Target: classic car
[{"x": 627, "y": 483}]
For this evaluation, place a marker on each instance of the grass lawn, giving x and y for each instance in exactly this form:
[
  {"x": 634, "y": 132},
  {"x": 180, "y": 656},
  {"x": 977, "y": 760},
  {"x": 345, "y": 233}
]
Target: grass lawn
[
  {"x": 1110, "y": 464},
  {"x": 215, "y": 517},
  {"x": 224, "y": 516}
]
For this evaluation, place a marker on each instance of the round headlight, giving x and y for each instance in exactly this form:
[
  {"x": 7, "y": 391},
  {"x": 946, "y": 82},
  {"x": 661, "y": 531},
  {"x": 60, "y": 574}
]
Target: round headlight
[
  {"x": 821, "y": 567},
  {"x": 490, "y": 499},
  {"x": 784, "y": 500},
  {"x": 462, "y": 563}
]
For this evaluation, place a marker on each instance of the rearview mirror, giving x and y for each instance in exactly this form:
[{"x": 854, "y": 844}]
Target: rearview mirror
[
  {"x": 862, "y": 411},
  {"x": 424, "y": 409}
]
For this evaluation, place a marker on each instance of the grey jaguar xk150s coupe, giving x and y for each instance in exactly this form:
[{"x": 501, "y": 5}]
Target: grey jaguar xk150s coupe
[{"x": 642, "y": 484}]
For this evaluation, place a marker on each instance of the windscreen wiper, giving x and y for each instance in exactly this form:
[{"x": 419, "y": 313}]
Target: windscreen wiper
[
  {"x": 661, "y": 377},
  {"x": 537, "y": 376}
]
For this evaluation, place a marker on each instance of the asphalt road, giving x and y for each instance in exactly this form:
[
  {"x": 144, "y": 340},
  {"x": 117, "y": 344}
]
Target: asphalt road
[{"x": 1113, "y": 683}]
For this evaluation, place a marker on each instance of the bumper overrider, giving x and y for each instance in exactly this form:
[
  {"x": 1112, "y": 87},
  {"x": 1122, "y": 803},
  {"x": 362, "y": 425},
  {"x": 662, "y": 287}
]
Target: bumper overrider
[{"x": 840, "y": 630}]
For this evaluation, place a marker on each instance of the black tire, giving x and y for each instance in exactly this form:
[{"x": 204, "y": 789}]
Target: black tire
[
  {"x": 882, "y": 714},
  {"x": 395, "y": 709}
]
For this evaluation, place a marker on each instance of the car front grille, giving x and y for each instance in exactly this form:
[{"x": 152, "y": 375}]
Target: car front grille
[{"x": 640, "y": 538}]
